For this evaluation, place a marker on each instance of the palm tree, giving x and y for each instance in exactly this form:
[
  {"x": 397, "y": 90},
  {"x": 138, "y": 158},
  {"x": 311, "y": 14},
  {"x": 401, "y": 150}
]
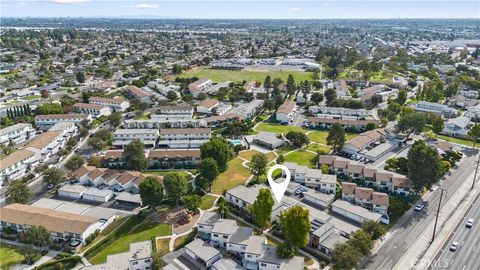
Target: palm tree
[{"x": 222, "y": 207}]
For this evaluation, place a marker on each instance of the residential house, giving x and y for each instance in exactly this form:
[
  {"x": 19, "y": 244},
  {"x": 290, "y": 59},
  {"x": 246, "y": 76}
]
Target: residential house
[
  {"x": 16, "y": 134},
  {"x": 218, "y": 120},
  {"x": 425, "y": 106},
  {"x": 17, "y": 164},
  {"x": 183, "y": 138},
  {"x": 247, "y": 110},
  {"x": 116, "y": 104},
  {"x": 326, "y": 122},
  {"x": 47, "y": 144},
  {"x": 208, "y": 106},
  {"x": 354, "y": 212},
  {"x": 457, "y": 127},
  {"x": 339, "y": 111},
  {"x": 44, "y": 122},
  {"x": 286, "y": 112},
  {"x": 94, "y": 110},
  {"x": 138, "y": 93},
  {"x": 179, "y": 111},
  {"x": 138, "y": 257},
  {"x": 122, "y": 137},
  {"x": 313, "y": 178},
  {"x": 200, "y": 86}
]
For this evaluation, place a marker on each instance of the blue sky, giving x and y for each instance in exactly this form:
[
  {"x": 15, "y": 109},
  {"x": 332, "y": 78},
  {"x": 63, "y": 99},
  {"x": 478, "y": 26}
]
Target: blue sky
[{"x": 236, "y": 9}]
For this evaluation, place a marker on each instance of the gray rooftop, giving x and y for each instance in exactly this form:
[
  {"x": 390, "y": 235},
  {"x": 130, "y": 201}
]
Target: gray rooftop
[{"x": 202, "y": 250}]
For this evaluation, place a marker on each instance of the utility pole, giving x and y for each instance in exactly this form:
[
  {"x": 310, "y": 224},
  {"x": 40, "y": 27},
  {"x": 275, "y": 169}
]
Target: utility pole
[
  {"x": 476, "y": 169},
  {"x": 436, "y": 217}
]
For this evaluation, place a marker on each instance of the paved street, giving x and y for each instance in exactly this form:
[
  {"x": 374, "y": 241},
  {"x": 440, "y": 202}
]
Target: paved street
[
  {"x": 413, "y": 224},
  {"x": 466, "y": 256}
]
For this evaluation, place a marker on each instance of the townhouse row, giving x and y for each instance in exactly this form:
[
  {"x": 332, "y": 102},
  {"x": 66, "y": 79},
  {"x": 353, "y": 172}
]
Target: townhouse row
[
  {"x": 16, "y": 134},
  {"x": 172, "y": 138},
  {"x": 381, "y": 180},
  {"x": 158, "y": 158}
]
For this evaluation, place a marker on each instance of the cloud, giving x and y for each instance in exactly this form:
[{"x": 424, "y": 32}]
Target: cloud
[
  {"x": 146, "y": 6},
  {"x": 295, "y": 10},
  {"x": 67, "y": 1}
]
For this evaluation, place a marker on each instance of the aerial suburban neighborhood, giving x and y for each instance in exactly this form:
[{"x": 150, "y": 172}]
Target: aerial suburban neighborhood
[{"x": 142, "y": 142}]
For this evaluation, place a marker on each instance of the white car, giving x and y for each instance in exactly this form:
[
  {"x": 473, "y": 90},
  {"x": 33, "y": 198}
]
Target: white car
[
  {"x": 419, "y": 207},
  {"x": 454, "y": 246},
  {"x": 469, "y": 223}
]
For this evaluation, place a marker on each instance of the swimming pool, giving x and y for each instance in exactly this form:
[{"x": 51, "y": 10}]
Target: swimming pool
[{"x": 236, "y": 142}]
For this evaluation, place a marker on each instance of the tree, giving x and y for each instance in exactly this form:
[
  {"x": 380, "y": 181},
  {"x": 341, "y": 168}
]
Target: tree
[
  {"x": 18, "y": 192},
  {"x": 362, "y": 241},
  {"x": 115, "y": 119},
  {"x": 258, "y": 164},
  {"x": 290, "y": 85},
  {"x": 411, "y": 122},
  {"x": 336, "y": 137},
  {"x": 80, "y": 76},
  {"x": 192, "y": 202},
  {"x": 262, "y": 208},
  {"x": 423, "y": 165},
  {"x": 104, "y": 134},
  {"x": 317, "y": 97},
  {"x": 370, "y": 126},
  {"x": 171, "y": 95},
  {"x": 44, "y": 93},
  {"x": 345, "y": 256},
  {"x": 96, "y": 143},
  {"x": 53, "y": 176},
  {"x": 219, "y": 150},
  {"x": 374, "y": 229},
  {"x": 437, "y": 124},
  {"x": 134, "y": 156},
  {"x": 330, "y": 95},
  {"x": 29, "y": 253},
  {"x": 175, "y": 185},
  {"x": 48, "y": 108},
  {"x": 222, "y": 207},
  {"x": 295, "y": 226},
  {"x": 37, "y": 236},
  {"x": 402, "y": 97},
  {"x": 267, "y": 84},
  {"x": 208, "y": 171},
  {"x": 71, "y": 143},
  {"x": 95, "y": 161},
  {"x": 297, "y": 138},
  {"x": 474, "y": 133},
  {"x": 151, "y": 191},
  {"x": 74, "y": 163}
]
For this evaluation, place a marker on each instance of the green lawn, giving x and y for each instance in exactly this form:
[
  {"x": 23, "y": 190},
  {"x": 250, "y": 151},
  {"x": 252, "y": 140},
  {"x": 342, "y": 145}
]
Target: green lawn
[
  {"x": 285, "y": 149},
  {"x": 184, "y": 240},
  {"x": 144, "y": 116},
  {"x": 217, "y": 75},
  {"x": 277, "y": 128},
  {"x": 163, "y": 173},
  {"x": 318, "y": 147},
  {"x": 235, "y": 175},
  {"x": 162, "y": 246},
  {"x": 32, "y": 97},
  {"x": 320, "y": 136},
  {"x": 456, "y": 140},
  {"x": 9, "y": 256},
  {"x": 250, "y": 153},
  {"x": 302, "y": 157},
  {"x": 144, "y": 231},
  {"x": 207, "y": 202}
]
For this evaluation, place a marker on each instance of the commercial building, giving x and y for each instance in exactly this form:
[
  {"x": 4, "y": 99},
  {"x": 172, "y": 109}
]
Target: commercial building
[
  {"x": 16, "y": 134},
  {"x": 45, "y": 122}
]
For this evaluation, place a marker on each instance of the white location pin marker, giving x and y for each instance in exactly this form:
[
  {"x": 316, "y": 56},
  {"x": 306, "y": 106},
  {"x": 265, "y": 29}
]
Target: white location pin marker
[{"x": 278, "y": 188}]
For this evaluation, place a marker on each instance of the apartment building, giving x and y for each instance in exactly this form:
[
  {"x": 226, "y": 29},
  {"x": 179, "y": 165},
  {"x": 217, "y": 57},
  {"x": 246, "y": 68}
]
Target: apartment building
[
  {"x": 62, "y": 226},
  {"x": 425, "y": 106},
  {"x": 183, "y": 138},
  {"x": 457, "y": 127},
  {"x": 355, "y": 213},
  {"x": 382, "y": 180},
  {"x": 17, "y": 164},
  {"x": 138, "y": 257},
  {"x": 16, "y": 134},
  {"x": 122, "y": 137},
  {"x": 285, "y": 112},
  {"x": 313, "y": 178},
  {"x": 339, "y": 111},
  {"x": 326, "y": 122},
  {"x": 199, "y": 86},
  {"x": 47, "y": 144},
  {"x": 115, "y": 104},
  {"x": 138, "y": 93},
  {"x": 161, "y": 121},
  {"x": 247, "y": 110},
  {"x": 45, "y": 122},
  {"x": 158, "y": 158},
  {"x": 208, "y": 106},
  {"x": 218, "y": 120},
  {"x": 179, "y": 110},
  {"x": 68, "y": 129},
  {"x": 377, "y": 202},
  {"x": 94, "y": 110}
]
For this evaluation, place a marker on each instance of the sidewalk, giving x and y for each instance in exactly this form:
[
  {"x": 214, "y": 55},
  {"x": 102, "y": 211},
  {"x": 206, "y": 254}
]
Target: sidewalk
[{"x": 421, "y": 250}]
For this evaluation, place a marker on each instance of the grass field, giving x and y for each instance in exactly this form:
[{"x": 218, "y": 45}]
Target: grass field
[
  {"x": 207, "y": 202},
  {"x": 162, "y": 246},
  {"x": 318, "y": 147},
  {"x": 320, "y": 136},
  {"x": 285, "y": 149},
  {"x": 277, "y": 128},
  {"x": 184, "y": 239},
  {"x": 250, "y": 153},
  {"x": 31, "y": 97},
  {"x": 302, "y": 157},
  {"x": 163, "y": 173},
  {"x": 456, "y": 140},
  {"x": 142, "y": 232},
  {"x": 217, "y": 75},
  {"x": 9, "y": 256},
  {"x": 235, "y": 175}
]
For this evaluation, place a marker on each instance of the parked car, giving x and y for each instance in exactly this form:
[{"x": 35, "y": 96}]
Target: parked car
[
  {"x": 419, "y": 207},
  {"x": 50, "y": 186},
  {"x": 469, "y": 223},
  {"x": 454, "y": 246}
]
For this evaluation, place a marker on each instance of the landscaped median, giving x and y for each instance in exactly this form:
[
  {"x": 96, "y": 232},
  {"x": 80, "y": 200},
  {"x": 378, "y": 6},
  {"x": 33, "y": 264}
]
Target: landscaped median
[{"x": 137, "y": 228}]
